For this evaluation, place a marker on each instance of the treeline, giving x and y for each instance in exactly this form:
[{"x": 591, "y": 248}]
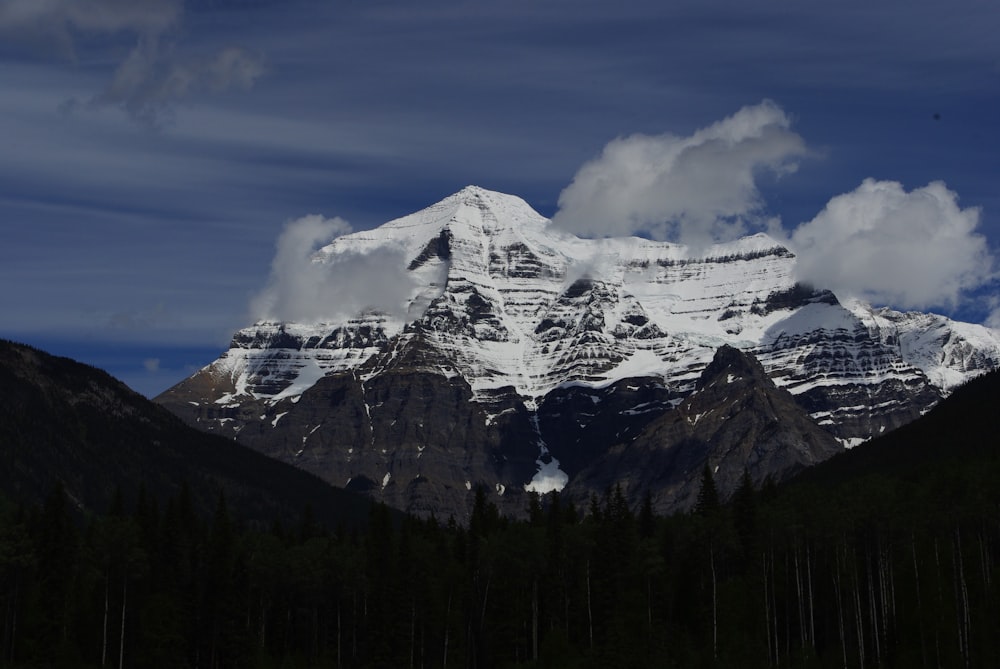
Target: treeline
[{"x": 878, "y": 572}]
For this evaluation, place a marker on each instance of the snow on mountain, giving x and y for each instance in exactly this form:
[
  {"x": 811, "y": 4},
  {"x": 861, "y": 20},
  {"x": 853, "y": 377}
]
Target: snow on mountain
[{"x": 508, "y": 300}]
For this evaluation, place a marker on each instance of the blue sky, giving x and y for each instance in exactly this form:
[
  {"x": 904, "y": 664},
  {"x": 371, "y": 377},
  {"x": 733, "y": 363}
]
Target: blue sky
[{"x": 155, "y": 149}]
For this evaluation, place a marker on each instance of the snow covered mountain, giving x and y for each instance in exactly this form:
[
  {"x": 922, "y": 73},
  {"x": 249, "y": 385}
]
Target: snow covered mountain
[{"x": 557, "y": 348}]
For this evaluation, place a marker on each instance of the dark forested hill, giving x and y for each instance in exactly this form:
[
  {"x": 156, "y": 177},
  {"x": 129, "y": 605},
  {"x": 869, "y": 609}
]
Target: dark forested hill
[
  {"x": 963, "y": 431},
  {"x": 62, "y": 422}
]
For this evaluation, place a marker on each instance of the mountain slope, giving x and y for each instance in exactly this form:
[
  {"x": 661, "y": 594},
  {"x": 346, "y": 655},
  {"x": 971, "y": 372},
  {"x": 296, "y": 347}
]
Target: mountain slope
[
  {"x": 67, "y": 423},
  {"x": 559, "y": 347},
  {"x": 736, "y": 420},
  {"x": 960, "y": 432}
]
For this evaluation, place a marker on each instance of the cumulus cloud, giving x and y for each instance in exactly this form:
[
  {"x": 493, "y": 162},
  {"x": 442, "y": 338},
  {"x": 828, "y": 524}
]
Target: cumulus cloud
[
  {"x": 914, "y": 249},
  {"x": 694, "y": 190},
  {"x": 305, "y": 288},
  {"x": 155, "y": 73}
]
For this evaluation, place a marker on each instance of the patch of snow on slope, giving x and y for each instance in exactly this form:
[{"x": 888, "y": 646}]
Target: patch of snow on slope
[{"x": 549, "y": 477}]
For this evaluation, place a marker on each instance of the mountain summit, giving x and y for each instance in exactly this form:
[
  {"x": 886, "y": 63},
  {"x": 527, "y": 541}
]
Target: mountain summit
[{"x": 515, "y": 355}]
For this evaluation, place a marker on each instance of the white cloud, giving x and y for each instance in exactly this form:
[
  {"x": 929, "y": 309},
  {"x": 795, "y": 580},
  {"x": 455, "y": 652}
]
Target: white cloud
[
  {"x": 914, "y": 249},
  {"x": 694, "y": 190},
  {"x": 304, "y": 289}
]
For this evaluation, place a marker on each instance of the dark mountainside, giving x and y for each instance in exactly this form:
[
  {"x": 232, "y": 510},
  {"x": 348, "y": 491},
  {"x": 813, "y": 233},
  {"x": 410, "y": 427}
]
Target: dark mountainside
[
  {"x": 62, "y": 422},
  {"x": 885, "y": 556},
  {"x": 438, "y": 443},
  {"x": 736, "y": 420},
  {"x": 421, "y": 427}
]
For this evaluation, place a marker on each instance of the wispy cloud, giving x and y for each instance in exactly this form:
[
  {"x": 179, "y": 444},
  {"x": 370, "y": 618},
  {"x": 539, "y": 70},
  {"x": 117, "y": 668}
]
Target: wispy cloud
[
  {"x": 694, "y": 189},
  {"x": 139, "y": 319},
  {"x": 149, "y": 81},
  {"x": 155, "y": 73}
]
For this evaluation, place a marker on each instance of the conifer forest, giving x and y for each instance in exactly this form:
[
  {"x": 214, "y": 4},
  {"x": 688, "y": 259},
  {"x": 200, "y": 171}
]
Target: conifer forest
[{"x": 872, "y": 571}]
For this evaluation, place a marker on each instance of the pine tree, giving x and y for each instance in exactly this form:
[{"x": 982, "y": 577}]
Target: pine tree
[
  {"x": 56, "y": 547},
  {"x": 536, "y": 516},
  {"x": 708, "y": 495},
  {"x": 744, "y": 506},
  {"x": 646, "y": 517}
]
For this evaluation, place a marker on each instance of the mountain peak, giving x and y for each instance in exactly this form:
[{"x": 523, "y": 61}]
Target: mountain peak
[
  {"x": 491, "y": 210},
  {"x": 473, "y": 207},
  {"x": 474, "y": 192},
  {"x": 732, "y": 363}
]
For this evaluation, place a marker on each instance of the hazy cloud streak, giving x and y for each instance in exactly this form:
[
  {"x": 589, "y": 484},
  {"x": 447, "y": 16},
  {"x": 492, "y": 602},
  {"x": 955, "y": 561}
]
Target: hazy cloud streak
[
  {"x": 155, "y": 73},
  {"x": 47, "y": 19},
  {"x": 147, "y": 83}
]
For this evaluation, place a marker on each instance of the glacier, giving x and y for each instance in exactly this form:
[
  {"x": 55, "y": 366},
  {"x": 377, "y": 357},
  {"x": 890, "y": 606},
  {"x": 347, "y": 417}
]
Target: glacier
[{"x": 510, "y": 300}]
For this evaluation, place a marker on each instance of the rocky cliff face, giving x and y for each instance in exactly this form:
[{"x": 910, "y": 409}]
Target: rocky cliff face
[
  {"x": 413, "y": 439},
  {"x": 520, "y": 353}
]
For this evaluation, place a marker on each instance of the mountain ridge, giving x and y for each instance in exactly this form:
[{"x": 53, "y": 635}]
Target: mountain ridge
[
  {"x": 525, "y": 314},
  {"x": 64, "y": 423}
]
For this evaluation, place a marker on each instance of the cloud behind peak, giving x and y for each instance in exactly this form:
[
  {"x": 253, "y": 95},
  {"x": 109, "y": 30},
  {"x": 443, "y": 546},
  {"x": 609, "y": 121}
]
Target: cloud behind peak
[
  {"x": 910, "y": 249},
  {"x": 695, "y": 190}
]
